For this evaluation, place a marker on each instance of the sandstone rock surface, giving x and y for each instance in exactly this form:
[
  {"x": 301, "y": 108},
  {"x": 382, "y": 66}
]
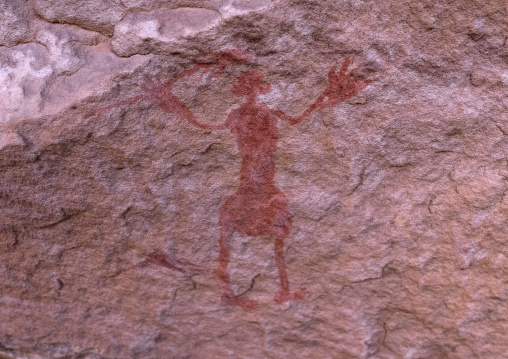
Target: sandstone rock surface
[{"x": 119, "y": 174}]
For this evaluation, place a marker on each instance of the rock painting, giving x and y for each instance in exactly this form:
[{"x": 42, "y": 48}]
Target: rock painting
[
  {"x": 258, "y": 207},
  {"x": 160, "y": 258}
]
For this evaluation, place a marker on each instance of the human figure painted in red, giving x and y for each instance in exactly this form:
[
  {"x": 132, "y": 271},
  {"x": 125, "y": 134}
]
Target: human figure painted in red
[{"x": 258, "y": 207}]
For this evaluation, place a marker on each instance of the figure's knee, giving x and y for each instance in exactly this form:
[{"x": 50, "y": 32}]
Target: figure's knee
[
  {"x": 226, "y": 211},
  {"x": 224, "y": 216},
  {"x": 280, "y": 232},
  {"x": 282, "y": 224}
]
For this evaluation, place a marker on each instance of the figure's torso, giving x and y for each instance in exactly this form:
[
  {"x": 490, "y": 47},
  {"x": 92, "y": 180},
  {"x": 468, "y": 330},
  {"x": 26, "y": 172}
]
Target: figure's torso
[
  {"x": 256, "y": 129},
  {"x": 256, "y": 132}
]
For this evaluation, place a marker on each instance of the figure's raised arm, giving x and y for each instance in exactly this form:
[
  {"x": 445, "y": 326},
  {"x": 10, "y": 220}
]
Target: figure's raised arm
[
  {"x": 341, "y": 86},
  {"x": 208, "y": 126},
  {"x": 161, "y": 92}
]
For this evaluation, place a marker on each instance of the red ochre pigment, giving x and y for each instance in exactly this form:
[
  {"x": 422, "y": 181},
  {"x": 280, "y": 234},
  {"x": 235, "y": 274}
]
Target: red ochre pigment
[
  {"x": 159, "y": 258},
  {"x": 258, "y": 207}
]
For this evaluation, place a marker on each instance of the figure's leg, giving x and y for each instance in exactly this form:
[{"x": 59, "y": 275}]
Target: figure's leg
[
  {"x": 221, "y": 272},
  {"x": 222, "y": 275},
  {"x": 284, "y": 294},
  {"x": 281, "y": 264}
]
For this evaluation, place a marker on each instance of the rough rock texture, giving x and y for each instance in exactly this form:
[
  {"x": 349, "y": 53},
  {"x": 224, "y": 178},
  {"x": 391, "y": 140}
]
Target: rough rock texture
[{"x": 116, "y": 182}]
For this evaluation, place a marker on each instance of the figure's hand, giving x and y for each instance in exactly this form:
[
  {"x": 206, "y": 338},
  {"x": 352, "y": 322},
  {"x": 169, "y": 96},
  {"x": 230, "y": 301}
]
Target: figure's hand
[
  {"x": 156, "y": 91},
  {"x": 342, "y": 86},
  {"x": 161, "y": 93}
]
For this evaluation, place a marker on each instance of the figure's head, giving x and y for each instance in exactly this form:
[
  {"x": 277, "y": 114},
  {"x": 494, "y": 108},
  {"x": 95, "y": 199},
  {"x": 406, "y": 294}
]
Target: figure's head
[{"x": 251, "y": 83}]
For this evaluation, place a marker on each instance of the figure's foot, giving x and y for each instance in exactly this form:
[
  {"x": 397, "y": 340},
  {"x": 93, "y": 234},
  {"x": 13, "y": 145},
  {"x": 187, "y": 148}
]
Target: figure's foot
[
  {"x": 283, "y": 296},
  {"x": 235, "y": 301}
]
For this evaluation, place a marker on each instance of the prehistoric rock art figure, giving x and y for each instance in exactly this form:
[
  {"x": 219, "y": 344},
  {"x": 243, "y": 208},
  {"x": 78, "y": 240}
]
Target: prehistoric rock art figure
[{"x": 258, "y": 207}]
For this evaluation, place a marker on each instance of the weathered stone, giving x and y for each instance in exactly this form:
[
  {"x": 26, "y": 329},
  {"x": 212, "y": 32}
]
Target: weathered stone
[
  {"x": 129, "y": 146},
  {"x": 100, "y": 16},
  {"x": 162, "y": 30},
  {"x": 15, "y": 22},
  {"x": 64, "y": 62},
  {"x": 135, "y": 33}
]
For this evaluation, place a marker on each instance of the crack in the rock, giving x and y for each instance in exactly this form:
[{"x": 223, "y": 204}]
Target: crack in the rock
[
  {"x": 194, "y": 285},
  {"x": 15, "y": 235},
  {"x": 208, "y": 148},
  {"x": 61, "y": 22},
  {"x": 360, "y": 182},
  {"x": 60, "y": 284},
  {"x": 175, "y": 294},
  {"x": 26, "y": 141},
  {"x": 252, "y": 282},
  {"x": 385, "y": 334},
  {"x": 448, "y": 151},
  {"x": 501, "y": 130},
  {"x": 20, "y": 43},
  {"x": 401, "y": 165},
  {"x": 127, "y": 224},
  {"x": 65, "y": 217},
  {"x": 60, "y": 287},
  {"x": 383, "y": 274},
  {"x": 454, "y": 183},
  {"x": 431, "y": 203}
]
